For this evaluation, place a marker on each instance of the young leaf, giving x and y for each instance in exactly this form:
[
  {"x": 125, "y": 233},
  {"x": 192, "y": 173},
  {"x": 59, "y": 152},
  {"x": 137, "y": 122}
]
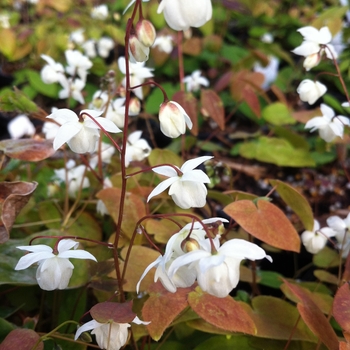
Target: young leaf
[
  {"x": 266, "y": 222},
  {"x": 341, "y": 307}
]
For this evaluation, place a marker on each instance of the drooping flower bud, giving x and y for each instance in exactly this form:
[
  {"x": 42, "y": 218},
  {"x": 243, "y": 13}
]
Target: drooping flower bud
[
  {"x": 173, "y": 119},
  {"x": 189, "y": 245},
  {"x": 145, "y": 32},
  {"x": 134, "y": 106},
  {"x": 310, "y": 91},
  {"x": 138, "y": 52},
  {"x": 312, "y": 61}
]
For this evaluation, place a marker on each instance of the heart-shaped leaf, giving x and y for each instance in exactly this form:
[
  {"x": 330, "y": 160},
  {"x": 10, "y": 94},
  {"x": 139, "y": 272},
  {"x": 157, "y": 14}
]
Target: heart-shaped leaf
[{"x": 266, "y": 222}]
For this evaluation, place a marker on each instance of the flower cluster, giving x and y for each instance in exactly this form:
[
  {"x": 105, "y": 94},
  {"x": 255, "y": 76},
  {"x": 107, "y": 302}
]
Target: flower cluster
[{"x": 191, "y": 255}]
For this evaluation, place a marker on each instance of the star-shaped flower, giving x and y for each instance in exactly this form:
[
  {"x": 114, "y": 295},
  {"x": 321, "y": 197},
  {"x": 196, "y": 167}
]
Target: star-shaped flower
[
  {"x": 187, "y": 190},
  {"x": 195, "y": 80}
]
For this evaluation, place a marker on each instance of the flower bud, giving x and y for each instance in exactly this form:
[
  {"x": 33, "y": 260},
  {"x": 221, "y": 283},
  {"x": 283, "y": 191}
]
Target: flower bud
[
  {"x": 173, "y": 119},
  {"x": 310, "y": 91},
  {"x": 312, "y": 61},
  {"x": 145, "y": 32},
  {"x": 134, "y": 106},
  {"x": 138, "y": 52},
  {"x": 189, "y": 245}
]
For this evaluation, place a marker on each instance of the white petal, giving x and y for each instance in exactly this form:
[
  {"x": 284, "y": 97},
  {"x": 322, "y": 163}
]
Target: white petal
[
  {"x": 196, "y": 176},
  {"x": 32, "y": 258},
  {"x": 327, "y": 111},
  {"x": 87, "y": 327},
  {"x": 309, "y": 33},
  {"x": 77, "y": 254},
  {"x": 64, "y": 114},
  {"x": 193, "y": 163},
  {"x": 239, "y": 248},
  {"x": 165, "y": 170},
  {"x": 136, "y": 319},
  {"x": 66, "y": 244},
  {"x": 65, "y": 133},
  {"x": 38, "y": 248},
  {"x": 307, "y": 48},
  {"x": 148, "y": 268},
  {"x": 188, "y": 194},
  {"x": 325, "y": 35},
  {"x": 161, "y": 187}
]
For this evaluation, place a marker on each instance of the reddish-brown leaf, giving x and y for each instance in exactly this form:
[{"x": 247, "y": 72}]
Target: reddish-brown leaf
[
  {"x": 190, "y": 104},
  {"x": 23, "y": 339},
  {"x": 250, "y": 96},
  {"x": 224, "y": 313},
  {"x": 341, "y": 307},
  {"x": 13, "y": 197},
  {"x": 116, "y": 312},
  {"x": 27, "y": 149},
  {"x": 346, "y": 273},
  {"x": 212, "y": 106},
  {"x": 134, "y": 208},
  {"x": 266, "y": 222},
  {"x": 162, "y": 307},
  {"x": 344, "y": 346},
  {"x": 314, "y": 317}
]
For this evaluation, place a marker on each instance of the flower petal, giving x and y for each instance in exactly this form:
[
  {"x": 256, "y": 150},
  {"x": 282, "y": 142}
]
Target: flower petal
[
  {"x": 77, "y": 254},
  {"x": 195, "y": 175},
  {"x": 87, "y": 327},
  {"x": 66, "y": 244},
  {"x": 165, "y": 170},
  {"x": 64, "y": 114},
  {"x": 148, "y": 268},
  {"x": 32, "y": 258},
  {"x": 161, "y": 187},
  {"x": 65, "y": 133},
  {"x": 193, "y": 163}
]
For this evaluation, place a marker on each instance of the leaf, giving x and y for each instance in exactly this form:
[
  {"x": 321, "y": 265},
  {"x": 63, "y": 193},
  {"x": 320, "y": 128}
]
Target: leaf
[
  {"x": 162, "y": 307},
  {"x": 277, "y": 113},
  {"x": 8, "y": 42},
  {"x": 17, "y": 101},
  {"x": 140, "y": 258},
  {"x": 134, "y": 208},
  {"x": 327, "y": 257},
  {"x": 162, "y": 229},
  {"x": 224, "y": 313},
  {"x": 212, "y": 106},
  {"x": 284, "y": 154},
  {"x": 314, "y": 317},
  {"x": 190, "y": 104},
  {"x": 325, "y": 276},
  {"x": 116, "y": 312},
  {"x": 32, "y": 150},
  {"x": 13, "y": 197},
  {"x": 266, "y": 222},
  {"x": 164, "y": 156},
  {"x": 23, "y": 339},
  {"x": 297, "y": 202},
  {"x": 225, "y": 343},
  {"x": 341, "y": 307},
  {"x": 277, "y": 319}
]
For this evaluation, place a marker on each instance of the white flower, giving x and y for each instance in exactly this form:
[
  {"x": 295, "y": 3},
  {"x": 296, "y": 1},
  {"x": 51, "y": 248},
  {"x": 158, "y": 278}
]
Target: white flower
[
  {"x": 310, "y": 91},
  {"x": 218, "y": 272},
  {"x": 77, "y": 64},
  {"x": 136, "y": 148},
  {"x": 173, "y": 119},
  {"x": 100, "y": 12},
  {"x": 138, "y": 52},
  {"x": 100, "y": 206},
  {"x": 75, "y": 175},
  {"x": 187, "y": 190},
  {"x": 315, "y": 240},
  {"x": 72, "y": 88},
  {"x": 89, "y": 48},
  {"x": 314, "y": 44},
  {"x": 77, "y": 36},
  {"x": 52, "y": 72},
  {"x": 267, "y": 38},
  {"x": 116, "y": 112},
  {"x": 183, "y": 14},
  {"x": 270, "y": 72},
  {"x": 164, "y": 43},
  {"x": 110, "y": 335},
  {"x": 81, "y": 137},
  {"x": 50, "y": 129},
  {"x": 104, "y": 46},
  {"x": 99, "y": 100},
  {"x": 195, "y": 80},
  {"x": 341, "y": 227},
  {"x": 20, "y": 126},
  {"x": 138, "y": 74},
  {"x": 184, "y": 277},
  {"x": 329, "y": 125},
  {"x": 54, "y": 270}
]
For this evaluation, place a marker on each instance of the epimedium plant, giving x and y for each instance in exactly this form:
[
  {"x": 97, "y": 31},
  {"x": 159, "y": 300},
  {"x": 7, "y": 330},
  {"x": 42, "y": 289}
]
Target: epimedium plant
[{"x": 163, "y": 269}]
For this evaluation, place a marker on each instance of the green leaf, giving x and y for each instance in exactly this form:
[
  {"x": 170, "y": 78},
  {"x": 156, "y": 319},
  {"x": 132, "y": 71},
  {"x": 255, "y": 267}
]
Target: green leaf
[
  {"x": 49, "y": 90},
  {"x": 327, "y": 257},
  {"x": 278, "y": 114},
  {"x": 296, "y": 201},
  {"x": 16, "y": 101},
  {"x": 270, "y": 279},
  {"x": 276, "y": 151},
  {"x": 225, "y": 343}
]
